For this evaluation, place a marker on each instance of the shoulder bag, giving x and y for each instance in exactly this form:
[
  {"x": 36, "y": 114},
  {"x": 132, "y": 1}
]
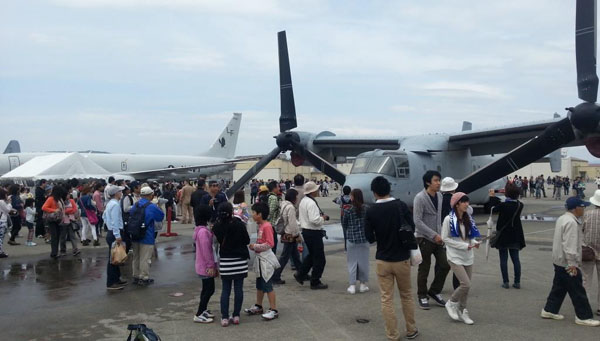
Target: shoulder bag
[{"x": 587, "y": 254}]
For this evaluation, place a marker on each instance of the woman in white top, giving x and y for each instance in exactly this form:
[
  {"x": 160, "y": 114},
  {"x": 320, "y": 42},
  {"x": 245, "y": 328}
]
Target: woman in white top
[
  {"x": 5, "y": 210},
  {"x": 458, "y": 233}
]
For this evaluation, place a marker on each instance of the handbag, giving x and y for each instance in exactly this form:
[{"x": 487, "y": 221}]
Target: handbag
[
  {"x": 118, "y": 253},
  {"x": 91, "y": 214},
  {"x": 496, "y": 236},
  {"x": 587, "y": 254}
]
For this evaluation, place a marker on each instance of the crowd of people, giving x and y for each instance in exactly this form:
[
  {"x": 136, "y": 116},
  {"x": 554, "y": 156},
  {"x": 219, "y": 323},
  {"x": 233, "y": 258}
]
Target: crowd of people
[
  {"x": 440, "y": 224},
  {"x": 560, "y": 186}
]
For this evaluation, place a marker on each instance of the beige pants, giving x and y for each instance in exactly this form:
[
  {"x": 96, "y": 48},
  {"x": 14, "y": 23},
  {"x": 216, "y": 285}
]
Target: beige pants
[
  {"x": 142, "y": 258},
  {"x": 588, "y": 278},
  {"x": 387, "y": 272},
  {"x": 463, "y": 273},
  {"x": 188, "y": 214}
]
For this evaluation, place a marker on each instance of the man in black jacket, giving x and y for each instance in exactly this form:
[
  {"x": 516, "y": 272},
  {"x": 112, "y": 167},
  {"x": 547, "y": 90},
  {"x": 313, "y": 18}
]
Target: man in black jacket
[
  {"x": 197, "y": 197},
  {"x": 40, "y": 198},
  {"x": 382, "y": 223}
]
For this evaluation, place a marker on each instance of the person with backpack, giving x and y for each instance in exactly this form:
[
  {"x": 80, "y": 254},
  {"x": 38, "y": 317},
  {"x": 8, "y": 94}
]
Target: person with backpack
[
  {"x": 263, "y": 195},
  {"x": 273, "y": 203},
  {"x": 114, "y": 221},
  {"x": 126, "y": 203},
  {"x": 140, "y": 227},
  {"x": 290, "y": 235}
]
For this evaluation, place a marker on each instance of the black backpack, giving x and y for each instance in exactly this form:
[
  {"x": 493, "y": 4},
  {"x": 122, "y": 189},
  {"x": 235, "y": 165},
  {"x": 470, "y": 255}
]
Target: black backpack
[
  {"x": 142, "y": 333},
  {"x": 136, "y": 224},
  {"x": 126, "y": 213}
]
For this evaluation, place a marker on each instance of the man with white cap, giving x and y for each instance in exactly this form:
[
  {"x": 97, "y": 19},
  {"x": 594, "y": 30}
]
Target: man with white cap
[
  {"x": 566, "y": 256},
  {"x": 144, "y": 248},
  {"x": 311, "y": 220},
  {"x": 113, "y": 219},
  {"x": 591, "y": 239}
]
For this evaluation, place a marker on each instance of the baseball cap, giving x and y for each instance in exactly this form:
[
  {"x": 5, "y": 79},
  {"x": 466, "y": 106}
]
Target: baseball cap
[
  {"x": 112, "y": 190},
  {"x": 574, "y": 202},
  {"x": 146, "y": 190}
]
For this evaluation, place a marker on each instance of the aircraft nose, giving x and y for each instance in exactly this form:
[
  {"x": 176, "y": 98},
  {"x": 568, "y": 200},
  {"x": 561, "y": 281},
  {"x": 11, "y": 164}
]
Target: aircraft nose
[{"x": 362, "y": 182}]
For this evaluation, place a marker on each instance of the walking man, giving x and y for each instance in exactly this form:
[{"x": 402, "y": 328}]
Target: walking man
[
  {"x": 591, "y": 239},
  {"x": 392, "y": 259},
  {"x": 311, "y": 222},
  {"x": 273, "y": 202},
  {"x": 427, "y": 210},
  {"x": 186, "y": 197},
  {"x": 40, "y": 198},
  {"x": 566, "y": 256}
]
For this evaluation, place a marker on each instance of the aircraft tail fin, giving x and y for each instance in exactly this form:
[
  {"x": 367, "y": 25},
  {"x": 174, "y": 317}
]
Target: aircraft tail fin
[
  {"x": 226, "y": 143},
  {"x": 13, "y": 147}
]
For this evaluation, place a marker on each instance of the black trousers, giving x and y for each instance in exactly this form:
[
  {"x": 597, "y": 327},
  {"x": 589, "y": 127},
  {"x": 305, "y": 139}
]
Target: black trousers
[
  {"x": 54, "y": 238},
  {"x": 564, "y": 283},
  {"x": 16, "y": 226},
  {"x": 40, "y": 229},
  {"x": 208, "y": 289},
  {"x": 113, "y": 272},
  {"x": 316, "y": 255}
]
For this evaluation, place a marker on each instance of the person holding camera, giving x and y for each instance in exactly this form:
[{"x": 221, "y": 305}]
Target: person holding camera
[{"x": 311, "y": 220}]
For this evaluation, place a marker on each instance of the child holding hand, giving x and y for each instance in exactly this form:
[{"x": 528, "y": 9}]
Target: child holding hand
[{"x": 206, "y": 266}]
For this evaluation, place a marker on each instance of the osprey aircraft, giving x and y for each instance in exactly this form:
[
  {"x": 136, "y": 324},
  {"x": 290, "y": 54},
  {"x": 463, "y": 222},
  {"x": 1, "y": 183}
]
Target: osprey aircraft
[{"x": 470, "y": 157}]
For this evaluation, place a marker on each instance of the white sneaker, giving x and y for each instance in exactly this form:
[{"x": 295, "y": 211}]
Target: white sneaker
[
  {"x": 352, "y": 289},
  {"x": 464, "y": 316},
  {"x": 363, "y": 288},
  {"x": 587, "y": 323},
  {"x": 270, "y": 314},
  {"x": 547, "y": 315},
  {"x": 452, "y": 309},
  {"x": 203, "y": 319}
]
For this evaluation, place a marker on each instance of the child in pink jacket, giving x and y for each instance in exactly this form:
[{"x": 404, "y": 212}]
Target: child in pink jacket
[{"x": 206, "y": 265}]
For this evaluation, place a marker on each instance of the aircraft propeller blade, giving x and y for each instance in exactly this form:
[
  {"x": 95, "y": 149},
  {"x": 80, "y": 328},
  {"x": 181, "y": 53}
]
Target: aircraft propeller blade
[
  {"x": 325, "y": 167},
  {"x": 554, "y": 137},
  {"x": 585, "y": 43},
  {"x": 287, "y": 118},
  {"x": 251, "y": 173}
]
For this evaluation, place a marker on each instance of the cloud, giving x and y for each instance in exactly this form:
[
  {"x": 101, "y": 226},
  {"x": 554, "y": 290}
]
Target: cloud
[
  {"x": 255, "y": 7},
  {"x": 46, "y": 39},
  {"x": 399, "y": 108},
  {"x": 196, "y": 59},
  {"x": 463, "y": 90}
]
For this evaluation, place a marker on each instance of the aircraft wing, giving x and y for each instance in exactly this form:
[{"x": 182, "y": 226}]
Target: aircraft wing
[
  {"x": 500, "y": 140},
  {"x": 179, "y": 171},
  {"x": 342, "y": 146}
]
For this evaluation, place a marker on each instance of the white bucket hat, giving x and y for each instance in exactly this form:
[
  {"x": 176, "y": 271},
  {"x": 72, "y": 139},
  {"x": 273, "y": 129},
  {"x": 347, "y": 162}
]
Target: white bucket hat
[
  {"x": 595, "y": 200},
  {"x": 310, "y": 187},
  {"x": 448, "y": 184}
]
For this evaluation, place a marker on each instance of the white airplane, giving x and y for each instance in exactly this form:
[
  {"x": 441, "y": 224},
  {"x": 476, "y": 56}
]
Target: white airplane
[{"x": 217, "y": 159}]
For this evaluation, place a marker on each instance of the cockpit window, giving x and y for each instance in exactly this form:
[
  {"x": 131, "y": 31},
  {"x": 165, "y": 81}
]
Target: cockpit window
[
  {"x": 382, "y": 165},
  {"x": 402, "y": 167},
  {"x": 360, "y": 165}
]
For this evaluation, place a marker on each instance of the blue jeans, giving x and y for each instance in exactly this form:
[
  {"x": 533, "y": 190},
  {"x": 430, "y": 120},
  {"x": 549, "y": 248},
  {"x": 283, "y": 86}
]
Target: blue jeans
[
  {"x": 514, "y": 257},
  {"x": 238, "y": 286}
]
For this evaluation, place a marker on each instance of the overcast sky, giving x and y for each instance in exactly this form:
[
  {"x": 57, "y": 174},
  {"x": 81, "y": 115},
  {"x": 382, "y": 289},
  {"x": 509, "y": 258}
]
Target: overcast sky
[{"x": 164, "y": 76}]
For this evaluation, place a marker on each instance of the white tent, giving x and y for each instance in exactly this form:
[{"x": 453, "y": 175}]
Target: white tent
[{"x": 61, "y": 166}]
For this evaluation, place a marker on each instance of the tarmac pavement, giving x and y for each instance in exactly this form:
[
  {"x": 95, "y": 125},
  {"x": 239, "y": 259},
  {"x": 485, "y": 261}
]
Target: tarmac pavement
[{"x": 66, "y": 299}]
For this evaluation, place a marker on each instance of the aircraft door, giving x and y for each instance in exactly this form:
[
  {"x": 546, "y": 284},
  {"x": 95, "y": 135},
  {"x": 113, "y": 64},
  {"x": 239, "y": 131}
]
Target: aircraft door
[{"x": 13, "y": 162}]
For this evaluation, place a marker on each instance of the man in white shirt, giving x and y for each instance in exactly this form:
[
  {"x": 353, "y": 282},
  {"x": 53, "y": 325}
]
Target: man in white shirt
[{"x": 311, "y": 220}]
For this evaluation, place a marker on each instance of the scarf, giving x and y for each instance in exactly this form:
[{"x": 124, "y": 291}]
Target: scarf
[{"x": 474, "y": 233}]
